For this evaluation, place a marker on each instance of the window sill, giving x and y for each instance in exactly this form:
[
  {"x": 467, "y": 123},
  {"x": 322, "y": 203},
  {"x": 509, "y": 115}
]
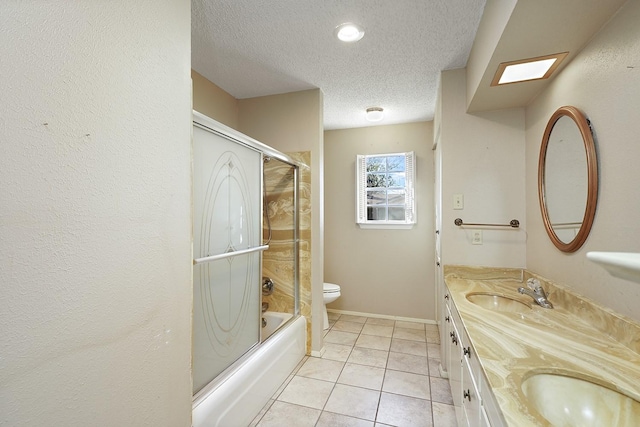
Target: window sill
[{"x": 387, "y": 226}]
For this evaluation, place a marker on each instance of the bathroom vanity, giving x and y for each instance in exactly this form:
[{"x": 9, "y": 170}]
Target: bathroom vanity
[
  {"x": 473, "y": 400},
  {"x": 512, "y": 362}
]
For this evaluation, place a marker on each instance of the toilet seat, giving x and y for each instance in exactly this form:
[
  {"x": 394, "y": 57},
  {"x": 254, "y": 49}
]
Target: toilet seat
[{"x": 329, "y": 288}]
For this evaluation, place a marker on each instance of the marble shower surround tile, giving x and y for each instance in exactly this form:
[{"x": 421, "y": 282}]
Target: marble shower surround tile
[{"x": 277, "y": 261}]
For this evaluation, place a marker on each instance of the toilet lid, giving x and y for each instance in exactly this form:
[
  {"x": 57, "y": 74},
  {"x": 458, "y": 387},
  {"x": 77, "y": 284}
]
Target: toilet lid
[{"x": 331, "y": 287}]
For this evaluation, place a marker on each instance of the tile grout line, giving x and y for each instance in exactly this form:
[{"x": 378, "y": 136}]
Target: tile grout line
[{"x": 385, "y": 368}]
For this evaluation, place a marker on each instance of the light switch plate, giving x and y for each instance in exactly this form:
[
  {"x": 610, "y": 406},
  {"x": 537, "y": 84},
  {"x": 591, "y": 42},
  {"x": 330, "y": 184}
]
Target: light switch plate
[{"x": 458, "y": 201}]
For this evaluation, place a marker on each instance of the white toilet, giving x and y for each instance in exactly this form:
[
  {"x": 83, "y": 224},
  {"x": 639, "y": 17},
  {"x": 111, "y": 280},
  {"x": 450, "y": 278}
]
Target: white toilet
[{"x": 331, "y": 293}]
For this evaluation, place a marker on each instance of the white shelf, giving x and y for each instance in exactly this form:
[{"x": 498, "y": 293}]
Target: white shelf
[{"x": 625, "y": 265}]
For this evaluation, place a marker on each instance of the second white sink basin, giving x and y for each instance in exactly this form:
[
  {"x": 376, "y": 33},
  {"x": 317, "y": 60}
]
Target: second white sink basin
[{"x": 572, "y": 402}]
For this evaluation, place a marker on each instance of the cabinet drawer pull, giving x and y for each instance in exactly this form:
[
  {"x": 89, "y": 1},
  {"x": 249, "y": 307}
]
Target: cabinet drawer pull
[
  {"x": 446, "y": 319},
  {"x": 467, "y": 395},
  {"x": 446, "y": 296},
  {"x": 467, "y": 352}
]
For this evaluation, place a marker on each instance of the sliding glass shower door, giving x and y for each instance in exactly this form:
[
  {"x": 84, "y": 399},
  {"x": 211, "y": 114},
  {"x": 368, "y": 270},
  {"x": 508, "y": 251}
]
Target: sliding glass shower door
[{"x": 226, "y": 243}]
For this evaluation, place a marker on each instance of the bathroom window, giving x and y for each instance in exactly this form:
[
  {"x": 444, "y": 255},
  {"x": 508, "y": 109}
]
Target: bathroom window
[{"x": 385, "y": 193}]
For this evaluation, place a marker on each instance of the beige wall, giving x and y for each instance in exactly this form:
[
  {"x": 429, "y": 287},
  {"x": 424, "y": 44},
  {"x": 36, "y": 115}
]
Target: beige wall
[
  {"x": 277, "y": 260},
  {"x": 214, "y": 102},
  {"x": 287, "y": 122},
  {"x": 482, "y": 159},
  {"x": 388, "y": 272},
  {"x": 95, "y": 223},
  {"x": 604, "y": 82},
  {"x": 495, "y": 18}
]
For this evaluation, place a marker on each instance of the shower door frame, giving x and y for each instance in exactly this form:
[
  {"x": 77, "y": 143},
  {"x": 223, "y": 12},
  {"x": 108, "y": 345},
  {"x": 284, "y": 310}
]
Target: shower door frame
[{"x": 210, "y": 125}]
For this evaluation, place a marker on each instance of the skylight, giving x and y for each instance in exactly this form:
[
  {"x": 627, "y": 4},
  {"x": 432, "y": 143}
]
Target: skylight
[{"x": 527, "y": 69}]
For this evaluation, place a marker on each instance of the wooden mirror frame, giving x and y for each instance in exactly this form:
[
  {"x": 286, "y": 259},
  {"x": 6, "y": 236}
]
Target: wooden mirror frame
[{"x": 592, "y": 178}]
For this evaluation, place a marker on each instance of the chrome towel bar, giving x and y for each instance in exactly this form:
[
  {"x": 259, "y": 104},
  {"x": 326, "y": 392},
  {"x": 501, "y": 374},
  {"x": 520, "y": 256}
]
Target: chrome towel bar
[
  {"x": 230, "y": 254},
  {"x": 514, "y": 223}
]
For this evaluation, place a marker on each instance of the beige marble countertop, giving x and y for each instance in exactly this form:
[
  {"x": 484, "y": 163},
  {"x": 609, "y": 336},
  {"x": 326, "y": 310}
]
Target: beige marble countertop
[{"x": 576, "y": 338}]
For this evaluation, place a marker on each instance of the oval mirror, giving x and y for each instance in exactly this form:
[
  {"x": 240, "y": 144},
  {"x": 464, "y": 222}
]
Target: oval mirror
[{"x": 568, "y": 178}]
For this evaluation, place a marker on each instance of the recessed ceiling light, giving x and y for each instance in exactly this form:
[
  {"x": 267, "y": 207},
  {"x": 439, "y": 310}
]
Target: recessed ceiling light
[
  {"x": 527, "y": 69},
  {"x": 375, "y": 114},
  {"x": 349, "y": 32}
]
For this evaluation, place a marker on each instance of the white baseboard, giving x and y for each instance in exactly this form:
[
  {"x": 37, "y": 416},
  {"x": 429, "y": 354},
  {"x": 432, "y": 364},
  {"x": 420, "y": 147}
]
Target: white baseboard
[
  {"x": 383, "y": 316},
  {"x": 318, "y": 353},
  {"x": 442, "y": 372}
]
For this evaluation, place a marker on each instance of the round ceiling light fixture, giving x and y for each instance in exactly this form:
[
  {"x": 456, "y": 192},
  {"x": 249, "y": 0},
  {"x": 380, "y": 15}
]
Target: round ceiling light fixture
[
  {"x": 349, "y": 32},
  {"x": 375, "y": 114}
]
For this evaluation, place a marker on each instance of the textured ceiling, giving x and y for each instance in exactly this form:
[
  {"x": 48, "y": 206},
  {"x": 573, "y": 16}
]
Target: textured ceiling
[{"x": 254, "y": 48}]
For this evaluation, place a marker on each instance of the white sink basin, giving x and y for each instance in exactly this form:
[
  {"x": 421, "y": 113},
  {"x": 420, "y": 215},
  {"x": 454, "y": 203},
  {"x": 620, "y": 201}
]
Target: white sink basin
[
  {"x": 497, "y": 302},
  {"x": 572, "y": 402},
  {"x": 625, "y": 265}
]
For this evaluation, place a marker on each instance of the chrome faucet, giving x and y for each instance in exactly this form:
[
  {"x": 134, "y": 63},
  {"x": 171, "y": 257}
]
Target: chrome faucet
[{"x": 536, "y": 292}]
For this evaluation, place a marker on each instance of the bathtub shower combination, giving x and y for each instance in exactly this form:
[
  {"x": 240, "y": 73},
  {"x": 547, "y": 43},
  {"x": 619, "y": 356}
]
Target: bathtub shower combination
[{"x": 242, "y": 350}]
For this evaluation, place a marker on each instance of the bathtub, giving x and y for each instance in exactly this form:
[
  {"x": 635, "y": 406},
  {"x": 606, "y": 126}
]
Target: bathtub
[
  {"x": 241, "y": 392},
  {"x": 274, "y": 321}
]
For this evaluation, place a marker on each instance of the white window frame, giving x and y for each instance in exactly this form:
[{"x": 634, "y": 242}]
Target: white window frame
[{"x": 361, "y": 193}]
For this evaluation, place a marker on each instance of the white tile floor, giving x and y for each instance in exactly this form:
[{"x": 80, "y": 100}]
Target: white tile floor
[{"x": 374, "y": 372}]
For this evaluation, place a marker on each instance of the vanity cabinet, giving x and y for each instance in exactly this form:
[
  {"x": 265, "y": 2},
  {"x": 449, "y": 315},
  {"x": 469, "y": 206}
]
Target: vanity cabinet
[
  {"x": 474, "y": 406},
  {"x": 454, "y": 365}
]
